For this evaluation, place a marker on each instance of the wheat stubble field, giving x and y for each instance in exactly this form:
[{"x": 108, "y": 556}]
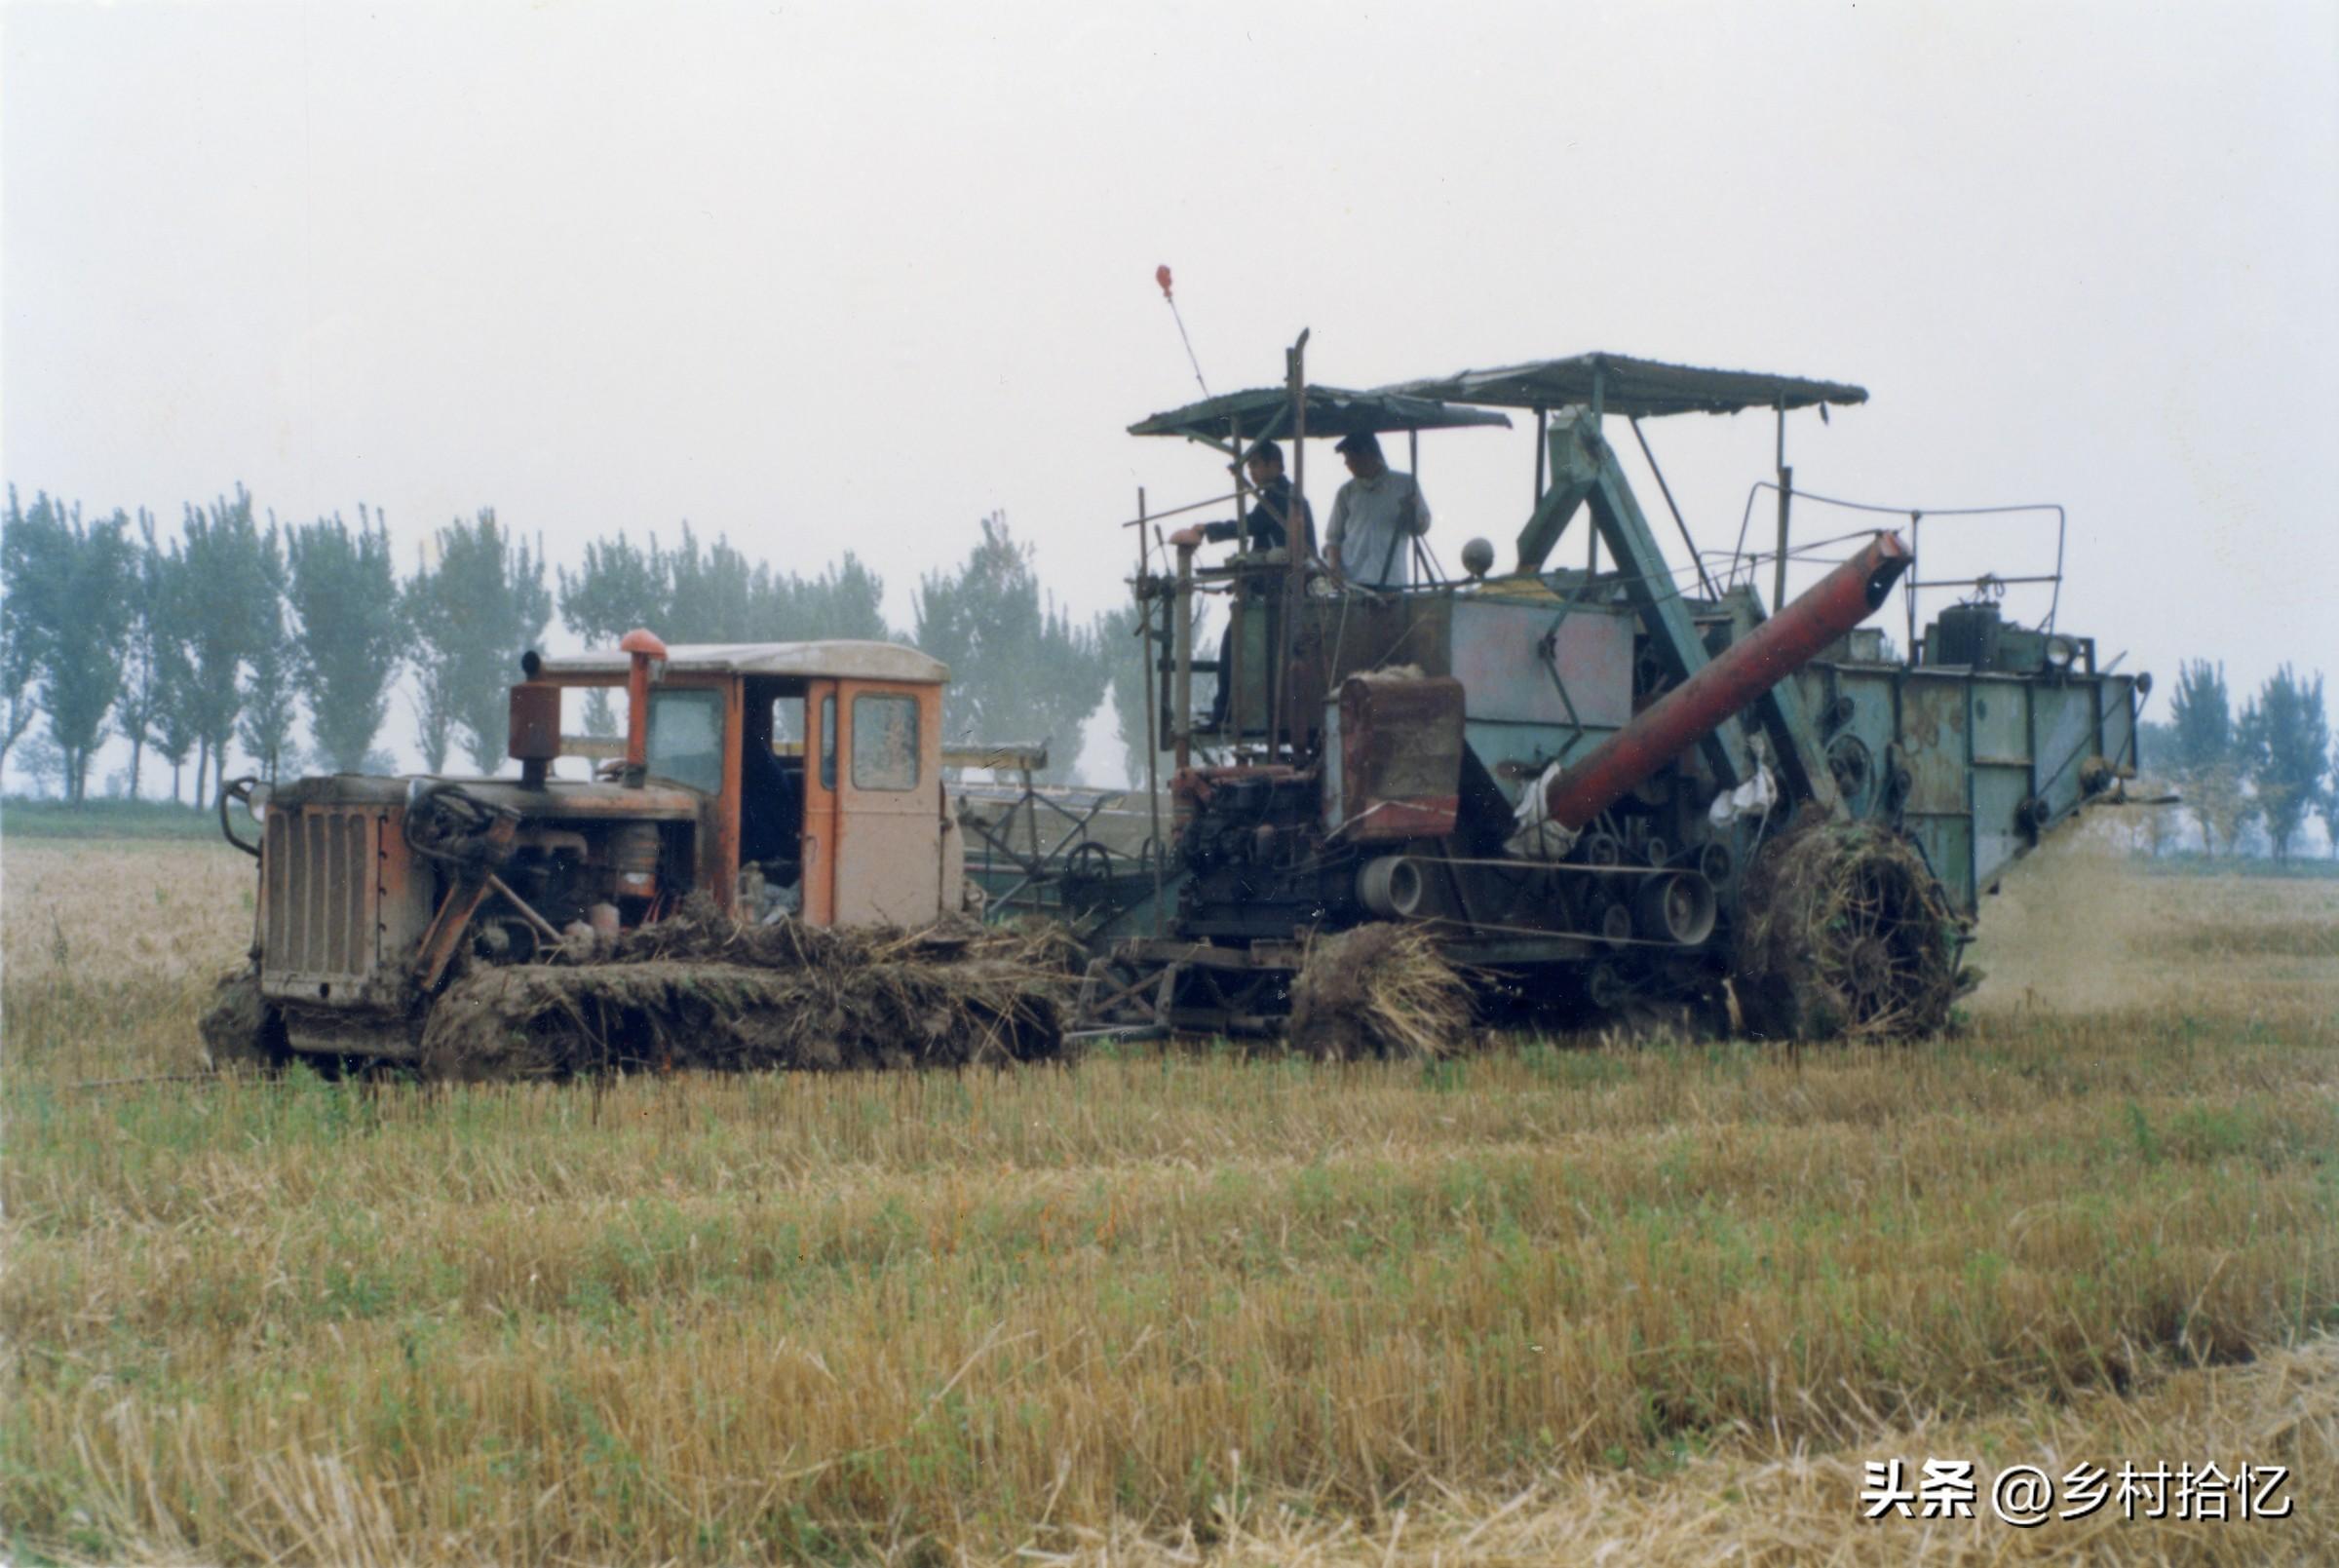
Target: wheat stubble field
[{"x": 1657, "y": 1301}]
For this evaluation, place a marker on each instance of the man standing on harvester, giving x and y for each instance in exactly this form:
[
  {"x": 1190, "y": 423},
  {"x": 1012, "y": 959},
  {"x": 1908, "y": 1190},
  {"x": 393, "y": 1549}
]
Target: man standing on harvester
[
  {"x": 1265, "y": 524},
  {"x": 1375, "y": 518}
]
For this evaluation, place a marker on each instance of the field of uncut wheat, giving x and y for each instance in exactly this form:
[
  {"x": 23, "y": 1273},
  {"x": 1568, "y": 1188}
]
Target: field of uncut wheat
[{"x": 1659, "y": 1300}]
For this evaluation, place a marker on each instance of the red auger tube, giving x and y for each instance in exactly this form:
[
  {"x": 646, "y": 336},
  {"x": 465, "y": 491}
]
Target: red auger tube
[{"x": 1740, "y": 673}]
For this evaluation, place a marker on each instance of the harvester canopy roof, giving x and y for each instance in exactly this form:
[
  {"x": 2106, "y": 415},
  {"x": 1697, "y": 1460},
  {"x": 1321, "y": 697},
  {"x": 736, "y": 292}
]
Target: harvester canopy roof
[
  {"x": 1635, "y": 388},
  {"x": 1264, "y": 413},
  {"x": 842, "y": 659}
]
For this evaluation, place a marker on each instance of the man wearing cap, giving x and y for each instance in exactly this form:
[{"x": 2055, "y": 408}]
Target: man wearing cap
[
  {"x": 1265, "y": 524},
  {"x": 1375, "y": 518}
]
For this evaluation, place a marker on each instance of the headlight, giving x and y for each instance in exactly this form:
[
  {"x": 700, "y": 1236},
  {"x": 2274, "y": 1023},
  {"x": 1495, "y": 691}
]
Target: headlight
[
  {"x": 2062, "y": 652},
  {"x": 257, "y": 802}
]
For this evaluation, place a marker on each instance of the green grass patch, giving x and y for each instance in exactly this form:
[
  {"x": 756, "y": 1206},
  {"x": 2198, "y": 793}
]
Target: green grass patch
[{"x": 23, "y": 816}]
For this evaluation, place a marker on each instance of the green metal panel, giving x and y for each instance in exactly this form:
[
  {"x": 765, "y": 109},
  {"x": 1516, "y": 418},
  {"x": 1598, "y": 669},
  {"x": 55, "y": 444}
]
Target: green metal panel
[
  {"x": 1249, "y": 707},
  {"x": 1978, "y": 749},
  {"x": 2068, "y": 735},
  {"x": 1933, "y": 743},
  {"x": 2001, "y": 720},
  {"x": 1948, "y": 844},
  {"x": 1935, "y": 726},
  {"x": 2116, "y": 700},
  {"x": 1575, "y": 471},
  {"x": 1496, "y": 653},
  {"x": 1999, "y": 835},
  {"x": 1869, "y": 727}
]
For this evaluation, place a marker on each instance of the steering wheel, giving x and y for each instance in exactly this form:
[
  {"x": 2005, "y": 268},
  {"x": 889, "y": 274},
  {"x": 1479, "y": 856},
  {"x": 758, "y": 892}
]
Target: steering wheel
[
  {"x": 1092, "y": 862},
  {"x": 447, "y": 824}
]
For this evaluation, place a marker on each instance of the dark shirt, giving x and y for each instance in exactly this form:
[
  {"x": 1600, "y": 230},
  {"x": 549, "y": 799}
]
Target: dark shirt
[{"x": 1265, "y": 524}]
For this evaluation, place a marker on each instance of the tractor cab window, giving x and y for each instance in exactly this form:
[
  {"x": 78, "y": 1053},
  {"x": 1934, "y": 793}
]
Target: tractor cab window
[
  {"x": 885, "y": 742},
  {"x": 686, "y": 739}
]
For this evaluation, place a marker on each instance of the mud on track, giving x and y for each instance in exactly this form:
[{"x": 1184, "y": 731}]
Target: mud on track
[{"x": 696, "y": 990}]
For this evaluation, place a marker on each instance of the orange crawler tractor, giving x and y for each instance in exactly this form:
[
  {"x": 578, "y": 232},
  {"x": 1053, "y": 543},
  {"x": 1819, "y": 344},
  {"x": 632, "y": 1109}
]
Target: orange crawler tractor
[{"x": 376, "y": 893}]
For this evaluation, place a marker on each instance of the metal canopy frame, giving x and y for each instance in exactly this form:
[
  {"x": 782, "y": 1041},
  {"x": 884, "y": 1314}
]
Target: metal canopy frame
[
  {"x": 1640, "y": 389},
  {"x": 1265, "y": 414}
]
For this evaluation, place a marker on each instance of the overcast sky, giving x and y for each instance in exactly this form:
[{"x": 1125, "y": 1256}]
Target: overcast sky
[{"x": 840, "y": 276}]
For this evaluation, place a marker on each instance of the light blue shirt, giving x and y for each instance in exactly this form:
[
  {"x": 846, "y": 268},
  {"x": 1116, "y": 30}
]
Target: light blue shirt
[{"x": 1374, "y": 524}]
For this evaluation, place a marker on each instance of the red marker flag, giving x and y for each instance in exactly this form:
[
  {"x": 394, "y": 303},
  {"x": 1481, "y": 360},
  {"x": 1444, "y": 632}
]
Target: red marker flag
[{"x": 1160, "y": 275}]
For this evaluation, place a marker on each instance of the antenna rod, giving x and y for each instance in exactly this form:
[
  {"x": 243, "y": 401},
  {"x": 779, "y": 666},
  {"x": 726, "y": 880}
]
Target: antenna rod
[{"x": 1160, "y": 275}]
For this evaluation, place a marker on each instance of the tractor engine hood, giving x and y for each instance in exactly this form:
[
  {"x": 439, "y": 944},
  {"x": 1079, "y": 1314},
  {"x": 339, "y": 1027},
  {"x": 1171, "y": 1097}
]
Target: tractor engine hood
[{"x": 551, "y": 802}]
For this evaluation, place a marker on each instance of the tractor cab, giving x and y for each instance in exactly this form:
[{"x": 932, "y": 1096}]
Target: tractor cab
[
  {"x": 781, "y": 780},
  {"x": 818, "y": 765}
]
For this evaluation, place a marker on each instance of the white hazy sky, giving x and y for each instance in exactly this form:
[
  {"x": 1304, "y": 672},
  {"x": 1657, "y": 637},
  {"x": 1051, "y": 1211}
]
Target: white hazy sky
[{"x": 849, "y": 276}]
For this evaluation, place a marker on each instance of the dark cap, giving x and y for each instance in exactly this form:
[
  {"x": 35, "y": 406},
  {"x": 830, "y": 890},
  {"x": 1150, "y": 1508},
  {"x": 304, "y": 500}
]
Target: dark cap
[{"x": 1362, "y": 440}]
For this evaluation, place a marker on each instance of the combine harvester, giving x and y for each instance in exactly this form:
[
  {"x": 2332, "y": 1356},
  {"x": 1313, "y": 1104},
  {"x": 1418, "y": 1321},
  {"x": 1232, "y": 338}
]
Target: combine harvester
[
  {"x": 1600, "y": 793},
  {"x": 1593, "y": 794}
]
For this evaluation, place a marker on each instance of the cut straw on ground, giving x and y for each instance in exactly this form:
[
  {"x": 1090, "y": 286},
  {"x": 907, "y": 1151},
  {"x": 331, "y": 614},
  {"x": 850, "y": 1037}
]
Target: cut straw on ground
[{"x": 1522, "y": 1306}]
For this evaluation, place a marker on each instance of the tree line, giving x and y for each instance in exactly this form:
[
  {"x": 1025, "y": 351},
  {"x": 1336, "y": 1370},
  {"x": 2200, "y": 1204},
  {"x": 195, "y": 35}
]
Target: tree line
[
  {"x": 217, "y": 645},
  {"x": 2266, "y": 766}
]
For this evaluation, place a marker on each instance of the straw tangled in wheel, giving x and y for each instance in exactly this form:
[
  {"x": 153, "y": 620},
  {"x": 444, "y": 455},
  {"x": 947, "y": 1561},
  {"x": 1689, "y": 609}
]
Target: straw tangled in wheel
[{"x": 1844, "y": 930}]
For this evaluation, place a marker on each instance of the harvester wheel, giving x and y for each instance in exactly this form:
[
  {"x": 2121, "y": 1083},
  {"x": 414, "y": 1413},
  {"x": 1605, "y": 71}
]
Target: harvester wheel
[
  {"x": 240, "y": 1029},
  {"x": 1844, "y": 930}
]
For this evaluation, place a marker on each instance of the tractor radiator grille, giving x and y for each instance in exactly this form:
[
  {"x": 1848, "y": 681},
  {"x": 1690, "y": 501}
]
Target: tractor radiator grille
[{"x": 321, "y": 893}]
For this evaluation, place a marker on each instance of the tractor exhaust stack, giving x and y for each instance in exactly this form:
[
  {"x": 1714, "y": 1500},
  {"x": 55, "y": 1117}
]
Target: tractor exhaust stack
[{"x": 645, "y": 647}]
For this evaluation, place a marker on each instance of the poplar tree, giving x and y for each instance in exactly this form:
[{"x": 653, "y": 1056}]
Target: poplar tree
[
  {"x": 20, "y": 639},
  {"x": 710, "y": 594},
  {"x": 265, "y": 725},
  {"x": 1124, "y": 651},
  {"x": 2208, "y": 766},
  {"x": 70, "y": 583},
  {"x": 474, "y": 614},
  {"x": 2328, "y": 806},
  {"x": 230, "y": 609},
  {"x": 2286, "y": 740},
  {"x": 1022, "y": 670},
  {"x": 713, "y": 593},
  {"x": 352, "y": 634},
  {"x": 170, "y": 727},
  {"x": 619, "y": 586},
  {"x": 143, "y": 695},
  {"x": 847, "y": 600}
]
